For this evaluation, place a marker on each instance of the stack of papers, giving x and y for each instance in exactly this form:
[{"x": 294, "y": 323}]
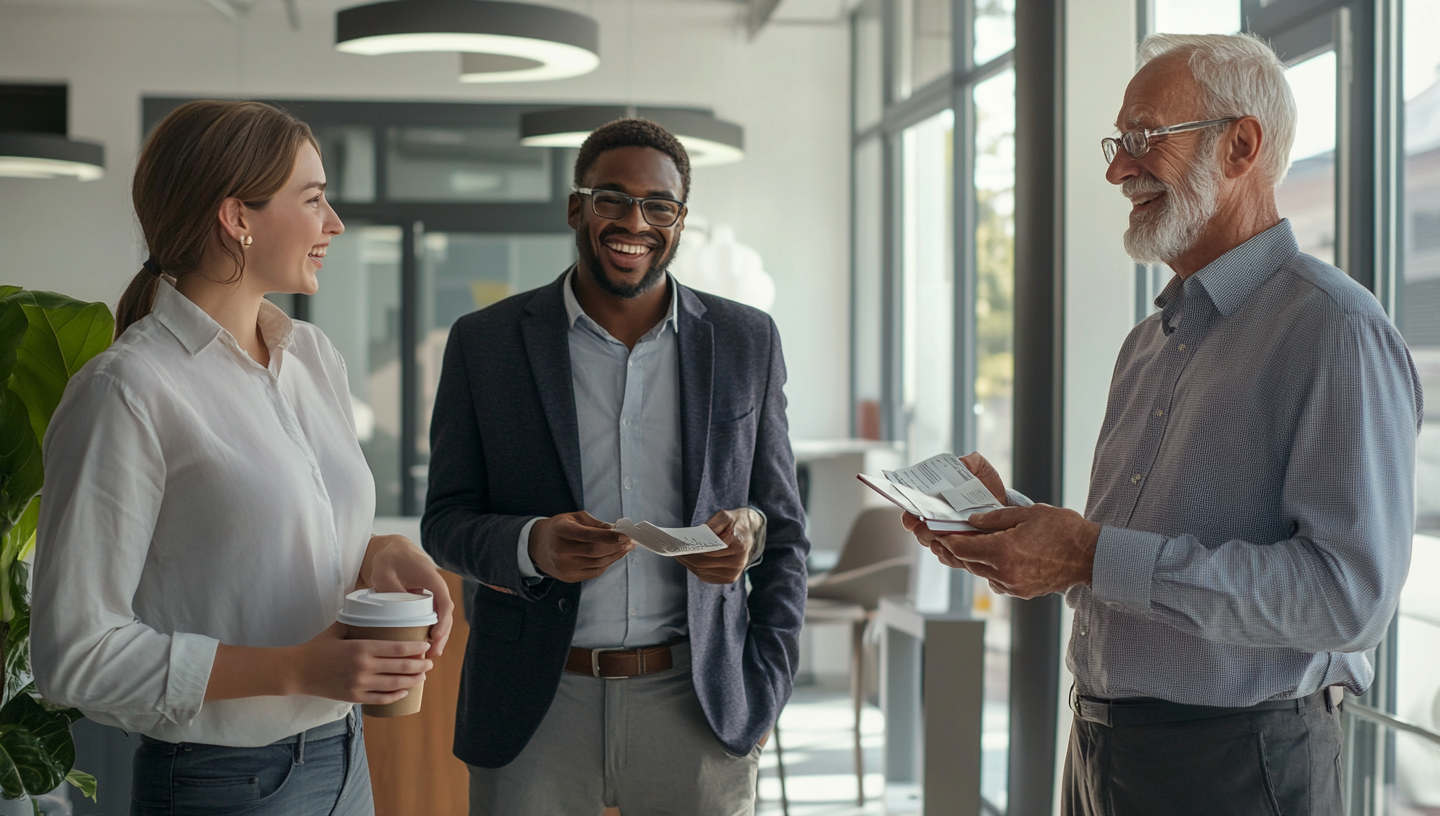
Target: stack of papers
[
  {"x": 941, "y": 491},
  {"x": 671, "y": 541}
]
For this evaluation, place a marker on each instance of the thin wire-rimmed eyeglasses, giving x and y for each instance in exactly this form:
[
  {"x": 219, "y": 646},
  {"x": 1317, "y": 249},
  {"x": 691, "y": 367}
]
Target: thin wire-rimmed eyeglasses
[
  {"x": 614, "y": 205},
  {"x": 1137, "y": 142}
]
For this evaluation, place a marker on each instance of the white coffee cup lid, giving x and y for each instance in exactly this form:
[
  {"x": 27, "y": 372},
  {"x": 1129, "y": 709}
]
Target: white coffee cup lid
[{"x": 366, "y": 607}]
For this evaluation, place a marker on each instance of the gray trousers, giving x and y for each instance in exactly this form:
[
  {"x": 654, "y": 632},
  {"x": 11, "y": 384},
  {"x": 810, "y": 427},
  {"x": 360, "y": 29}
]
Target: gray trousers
[
  {"x": 1271, "y": 763},
  {"x": 641, "y": 744}
]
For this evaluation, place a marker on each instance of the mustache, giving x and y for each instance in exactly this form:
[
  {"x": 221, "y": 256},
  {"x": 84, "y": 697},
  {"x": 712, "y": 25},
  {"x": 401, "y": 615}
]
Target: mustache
[
  {"x": 642, "y": 238},
  {"x": 1143, "y": 184}
]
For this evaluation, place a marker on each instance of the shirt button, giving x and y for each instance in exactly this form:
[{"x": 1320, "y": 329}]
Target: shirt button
[
  {"x": 629, "y": 363},
  {"x": 1135, "y": 479},
  {"x": 564, "y": 604},
  {"x": 1159, "y": 413},
  {"x": 632, "y": 613},
  {"x": 1182, "y": 347},
  {"x": 629, "y": 485},
  {"x": 625, "y": 421}
]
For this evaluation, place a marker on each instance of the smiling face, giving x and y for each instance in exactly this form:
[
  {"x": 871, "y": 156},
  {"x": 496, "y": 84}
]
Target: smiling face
[
  {"x": 627, "y": 257},
  {"x": 291, "y": 232},
  {"x": 1174, "y": 189}
]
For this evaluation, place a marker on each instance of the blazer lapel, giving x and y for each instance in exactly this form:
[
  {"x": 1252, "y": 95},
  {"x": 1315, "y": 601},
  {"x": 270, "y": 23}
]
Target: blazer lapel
[
  {"x": 697, "y": 383},
  {"x": 547, "y": 345}
]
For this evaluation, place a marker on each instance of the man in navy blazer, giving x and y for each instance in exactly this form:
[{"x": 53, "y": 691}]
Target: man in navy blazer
[{"x": 599, "y": 673}]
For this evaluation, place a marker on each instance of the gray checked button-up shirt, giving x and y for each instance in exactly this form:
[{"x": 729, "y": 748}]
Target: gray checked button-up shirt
[
  {"x": 627, "y": 404},
  {"x": 1255, "y": 482}
]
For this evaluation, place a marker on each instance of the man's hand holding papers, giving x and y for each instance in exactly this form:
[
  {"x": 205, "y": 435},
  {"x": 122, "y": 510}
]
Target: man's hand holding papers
[
  {"x": 942, "y": 491},
  {"x": 1022, "y": 551}
]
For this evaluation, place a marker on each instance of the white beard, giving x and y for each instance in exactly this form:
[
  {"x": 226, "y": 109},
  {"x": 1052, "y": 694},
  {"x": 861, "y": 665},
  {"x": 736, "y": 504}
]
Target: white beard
[{"x": 1169, "y": 232}]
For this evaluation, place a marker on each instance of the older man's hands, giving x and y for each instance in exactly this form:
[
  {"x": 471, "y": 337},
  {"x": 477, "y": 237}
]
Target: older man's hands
[{"x": 1022, "y": 551}]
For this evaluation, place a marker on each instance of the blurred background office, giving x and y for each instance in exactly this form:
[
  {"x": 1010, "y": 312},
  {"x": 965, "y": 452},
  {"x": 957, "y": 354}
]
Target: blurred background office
[{"x": 912, "y": 188}]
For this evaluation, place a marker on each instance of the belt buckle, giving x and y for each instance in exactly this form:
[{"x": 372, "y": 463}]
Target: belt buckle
[{"x": 595, "y": 663}]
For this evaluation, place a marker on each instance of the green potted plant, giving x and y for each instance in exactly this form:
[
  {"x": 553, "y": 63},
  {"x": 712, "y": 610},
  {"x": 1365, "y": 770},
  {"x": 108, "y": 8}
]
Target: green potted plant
[{"x": 44, "y": 340}]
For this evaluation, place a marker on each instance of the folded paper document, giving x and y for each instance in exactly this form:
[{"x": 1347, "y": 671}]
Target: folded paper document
[
  {"x": 940, "y": 490},
  {"x": 671, "y": 541}
]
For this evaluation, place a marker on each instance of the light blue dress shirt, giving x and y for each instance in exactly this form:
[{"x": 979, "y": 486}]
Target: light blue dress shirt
[
  {"x": 1254, "y": 480},
  {"x": 627, "y": 404}
]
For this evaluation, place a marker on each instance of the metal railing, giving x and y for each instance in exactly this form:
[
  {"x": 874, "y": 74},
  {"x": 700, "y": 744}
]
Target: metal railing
[{"x": 1365, "y": 712}]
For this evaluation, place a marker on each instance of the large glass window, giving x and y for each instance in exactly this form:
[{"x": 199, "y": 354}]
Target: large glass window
[
  {"x": 994, "y": 29},
  {"x": 1417, "y": 761},
  {"x": 1191, "y": 17},
  {"x": 928, "y": 265},
  {"x": 868, "y": 320},
  {"x": 995, "y": 268},
  {"x": 1307, "y": 196},
  {"x": 924, "y": 45}
]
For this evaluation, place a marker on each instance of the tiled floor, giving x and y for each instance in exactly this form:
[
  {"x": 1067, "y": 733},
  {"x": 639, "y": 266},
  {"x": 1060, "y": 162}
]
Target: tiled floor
[{"x": 816, "y": 733}]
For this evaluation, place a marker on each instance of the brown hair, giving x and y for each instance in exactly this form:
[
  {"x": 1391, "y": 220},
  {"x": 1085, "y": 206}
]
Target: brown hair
[{"x": 201, "y": 154}]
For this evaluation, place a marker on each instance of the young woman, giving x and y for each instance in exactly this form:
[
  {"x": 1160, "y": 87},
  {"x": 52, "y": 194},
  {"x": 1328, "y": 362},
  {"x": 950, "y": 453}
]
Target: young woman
[{"x": 207, "y": 505}]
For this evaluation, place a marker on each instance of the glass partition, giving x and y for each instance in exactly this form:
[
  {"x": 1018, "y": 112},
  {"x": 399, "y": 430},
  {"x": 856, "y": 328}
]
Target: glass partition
[
  {"x": 358, "y": 308},
  {"x": 459, "y": 273},
  {"x": 455, "y": 163}
]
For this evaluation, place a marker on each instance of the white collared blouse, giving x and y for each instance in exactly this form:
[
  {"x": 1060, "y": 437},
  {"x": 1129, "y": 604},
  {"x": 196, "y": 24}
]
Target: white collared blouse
[{"x": 194, "y": 497}]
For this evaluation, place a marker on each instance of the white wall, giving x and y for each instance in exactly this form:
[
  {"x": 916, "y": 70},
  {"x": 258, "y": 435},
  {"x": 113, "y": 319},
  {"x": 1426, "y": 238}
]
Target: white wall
[{"x": 789, "y": 89}]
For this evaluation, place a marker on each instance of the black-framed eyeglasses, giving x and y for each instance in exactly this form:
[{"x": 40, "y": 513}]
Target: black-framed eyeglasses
[
  {"x": 614, "y": 205},
  {"x": 1137, "y": 142}
]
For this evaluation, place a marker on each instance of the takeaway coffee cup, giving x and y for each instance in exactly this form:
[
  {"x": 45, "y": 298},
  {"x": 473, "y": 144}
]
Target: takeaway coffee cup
[{"x": 372, "y": 615}]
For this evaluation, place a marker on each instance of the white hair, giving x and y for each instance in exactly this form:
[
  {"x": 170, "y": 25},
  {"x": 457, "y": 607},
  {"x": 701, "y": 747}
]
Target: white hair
[{"x": 1240, "y": 75}]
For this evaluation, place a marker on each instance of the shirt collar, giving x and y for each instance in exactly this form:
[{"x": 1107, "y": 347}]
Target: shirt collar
[
  {"x": 195, "y": 329},
  {"x": 1230, "y": 279},
  {"x": 573, "y": 311}
]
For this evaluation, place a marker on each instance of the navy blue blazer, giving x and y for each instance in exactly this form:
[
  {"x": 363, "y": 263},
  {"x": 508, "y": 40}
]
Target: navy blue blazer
[{"x": 505, "y": 448}]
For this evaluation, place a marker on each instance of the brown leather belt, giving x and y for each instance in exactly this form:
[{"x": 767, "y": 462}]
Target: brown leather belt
[{"x": 618, "y": 663}]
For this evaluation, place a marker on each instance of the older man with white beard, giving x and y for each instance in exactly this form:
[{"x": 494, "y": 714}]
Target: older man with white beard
[{"x": 1251, "y": 498}]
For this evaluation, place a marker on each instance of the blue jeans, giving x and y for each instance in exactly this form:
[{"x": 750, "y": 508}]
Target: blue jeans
[{"x": 320, "y": 772}]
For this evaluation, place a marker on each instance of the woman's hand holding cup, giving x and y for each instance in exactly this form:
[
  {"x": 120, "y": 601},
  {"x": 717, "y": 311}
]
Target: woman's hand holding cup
[{"x": 372, "y": 672}]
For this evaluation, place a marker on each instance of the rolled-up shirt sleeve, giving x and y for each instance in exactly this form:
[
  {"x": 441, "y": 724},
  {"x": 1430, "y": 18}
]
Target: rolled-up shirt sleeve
[{"x": 105, "y": 479}]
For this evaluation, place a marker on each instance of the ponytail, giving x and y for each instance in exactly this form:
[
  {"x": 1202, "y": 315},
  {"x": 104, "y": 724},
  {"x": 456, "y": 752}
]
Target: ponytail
[{"x": 138, "y": 300}]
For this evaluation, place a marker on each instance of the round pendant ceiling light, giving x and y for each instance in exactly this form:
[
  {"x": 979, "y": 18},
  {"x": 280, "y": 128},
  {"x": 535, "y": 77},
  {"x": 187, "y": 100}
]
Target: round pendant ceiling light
[
  {"x": 46, "y": 155},
  {"x": 708, "y": 141},
  {"x": 498, "y": 42}
]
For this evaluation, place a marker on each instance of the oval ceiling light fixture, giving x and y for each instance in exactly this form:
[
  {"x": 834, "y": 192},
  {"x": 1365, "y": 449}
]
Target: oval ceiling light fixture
[
  {"x": 34, "y": 140},
  {"x": 708, "y": 141},
  {"x": 498, "y": 42},
  {"x": 47, "y": 155}
]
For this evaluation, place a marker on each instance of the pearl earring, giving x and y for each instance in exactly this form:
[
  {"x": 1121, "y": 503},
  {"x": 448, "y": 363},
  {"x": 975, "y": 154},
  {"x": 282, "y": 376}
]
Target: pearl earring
[{"x": 247, "y": 240}]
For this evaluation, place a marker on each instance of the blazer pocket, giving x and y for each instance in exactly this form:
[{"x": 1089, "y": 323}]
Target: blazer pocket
[
  {"x": 498, "y": 616},
  {"x": 736, "y": 417}
]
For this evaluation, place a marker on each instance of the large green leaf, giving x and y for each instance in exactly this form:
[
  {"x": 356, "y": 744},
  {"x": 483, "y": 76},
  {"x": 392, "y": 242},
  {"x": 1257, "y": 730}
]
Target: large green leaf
[
  {"x": 85, "y": 782},
  {"x": 63, "y": 335},
  {"x": 36, "y": 749},
  {"x": 22, "y": 470},
  {"x": 15, "y": 642}
]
